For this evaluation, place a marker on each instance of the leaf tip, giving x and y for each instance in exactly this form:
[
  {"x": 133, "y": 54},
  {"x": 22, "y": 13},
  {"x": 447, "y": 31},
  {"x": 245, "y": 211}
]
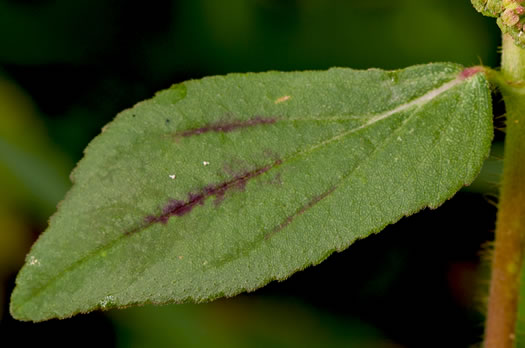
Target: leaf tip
[{"x": 15, "y": 310}]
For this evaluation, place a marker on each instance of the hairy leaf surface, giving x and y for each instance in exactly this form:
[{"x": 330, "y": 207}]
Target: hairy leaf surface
[{"x": 221, "y": 185}]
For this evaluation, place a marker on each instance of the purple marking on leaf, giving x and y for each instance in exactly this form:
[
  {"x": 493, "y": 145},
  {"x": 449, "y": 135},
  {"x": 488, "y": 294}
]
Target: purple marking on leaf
[
  {"x": 180, "y": 208},
  {"x": 300, "y": 211},
  {"x": 468, "y": 72},
  {"x": 225, "y": 126}
]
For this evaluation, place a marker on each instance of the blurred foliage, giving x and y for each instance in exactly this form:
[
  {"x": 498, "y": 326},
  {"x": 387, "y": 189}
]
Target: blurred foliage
[
  {"x": 66, "y": 69},
  {"x": 241, "y": 322},
  {"x": 241, "y": 35},
  {"x": 43, "y": 32},
  {"x": 33, "y": 171}
]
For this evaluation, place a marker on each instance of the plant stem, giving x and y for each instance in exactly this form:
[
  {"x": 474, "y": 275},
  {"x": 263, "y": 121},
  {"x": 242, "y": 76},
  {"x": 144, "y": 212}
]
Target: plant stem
[{"x": 510, "y": 226}]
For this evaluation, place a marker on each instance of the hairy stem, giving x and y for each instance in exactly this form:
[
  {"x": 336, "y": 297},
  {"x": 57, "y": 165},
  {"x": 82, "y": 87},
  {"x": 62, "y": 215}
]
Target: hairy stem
[{"x": 510, "y": 226}]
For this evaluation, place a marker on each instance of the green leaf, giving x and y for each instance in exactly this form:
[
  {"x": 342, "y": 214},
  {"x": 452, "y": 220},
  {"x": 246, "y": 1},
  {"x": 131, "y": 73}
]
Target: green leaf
[{"x": 221, "y": 185}]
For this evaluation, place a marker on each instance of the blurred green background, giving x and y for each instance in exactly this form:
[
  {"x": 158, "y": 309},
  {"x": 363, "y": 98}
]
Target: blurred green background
[{"x": 68, "y": 67}]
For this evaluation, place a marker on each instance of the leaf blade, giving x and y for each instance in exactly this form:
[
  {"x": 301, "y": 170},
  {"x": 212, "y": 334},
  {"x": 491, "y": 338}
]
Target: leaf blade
[{"x": 219, "y": 186}]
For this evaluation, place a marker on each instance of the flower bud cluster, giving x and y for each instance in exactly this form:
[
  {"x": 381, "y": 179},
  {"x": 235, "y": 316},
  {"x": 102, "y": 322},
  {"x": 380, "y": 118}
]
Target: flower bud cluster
[{"x": 510, "y": 16}]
